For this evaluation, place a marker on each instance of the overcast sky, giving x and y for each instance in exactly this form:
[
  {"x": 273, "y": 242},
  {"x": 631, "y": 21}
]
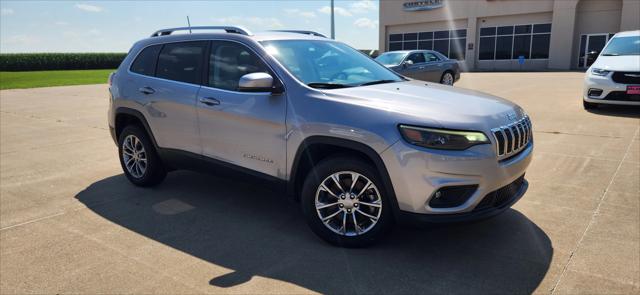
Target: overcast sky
[{"x": 113, "y": 26}]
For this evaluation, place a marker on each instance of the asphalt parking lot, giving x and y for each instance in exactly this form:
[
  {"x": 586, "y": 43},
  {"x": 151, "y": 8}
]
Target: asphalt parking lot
[{"x": 71, "y": 223}]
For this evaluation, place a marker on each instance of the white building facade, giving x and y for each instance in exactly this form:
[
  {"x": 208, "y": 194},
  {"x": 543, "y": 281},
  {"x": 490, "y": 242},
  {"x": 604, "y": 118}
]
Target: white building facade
[{"x": 507, "y": 35}]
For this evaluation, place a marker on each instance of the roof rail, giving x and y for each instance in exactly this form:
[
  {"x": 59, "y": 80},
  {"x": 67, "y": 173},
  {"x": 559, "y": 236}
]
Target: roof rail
[
  {"x": 312, "y": 33},
  {"x": 228, "y": 29}
]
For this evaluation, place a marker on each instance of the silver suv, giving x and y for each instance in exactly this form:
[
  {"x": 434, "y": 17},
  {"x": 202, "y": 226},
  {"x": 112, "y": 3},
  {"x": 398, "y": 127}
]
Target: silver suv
[{"x": 358, "y": 145}]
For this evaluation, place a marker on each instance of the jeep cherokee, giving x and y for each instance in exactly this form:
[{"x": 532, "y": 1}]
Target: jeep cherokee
[{"x": 358, "y": 145}]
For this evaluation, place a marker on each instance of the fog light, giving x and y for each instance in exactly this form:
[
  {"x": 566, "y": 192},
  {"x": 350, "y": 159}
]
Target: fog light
[
  {"x": 594, "y": 92},
  {"x": 452, "y": 196}
]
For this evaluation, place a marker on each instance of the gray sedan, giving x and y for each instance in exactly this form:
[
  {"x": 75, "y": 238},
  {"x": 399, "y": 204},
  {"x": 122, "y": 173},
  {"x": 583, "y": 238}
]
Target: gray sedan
[{"x": 426, "y": 65}]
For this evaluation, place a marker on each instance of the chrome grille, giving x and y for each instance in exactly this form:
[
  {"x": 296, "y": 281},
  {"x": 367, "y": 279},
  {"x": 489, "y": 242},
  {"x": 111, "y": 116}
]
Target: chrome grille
[{"x": 512, "y": 138}]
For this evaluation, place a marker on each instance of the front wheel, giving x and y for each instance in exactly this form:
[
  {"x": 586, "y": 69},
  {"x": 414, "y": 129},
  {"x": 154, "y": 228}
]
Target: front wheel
[
  {"x": 447, "y": 79},
  {"x": 345, "y": 203}
]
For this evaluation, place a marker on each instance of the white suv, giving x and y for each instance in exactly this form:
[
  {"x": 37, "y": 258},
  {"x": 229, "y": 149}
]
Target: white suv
[{"x": 614, "y": 78}]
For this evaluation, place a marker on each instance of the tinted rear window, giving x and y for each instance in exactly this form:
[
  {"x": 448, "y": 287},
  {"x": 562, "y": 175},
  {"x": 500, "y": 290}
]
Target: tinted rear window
[
  {"x": 182, "y": 61},
  {"x": 145, "y": 63}
]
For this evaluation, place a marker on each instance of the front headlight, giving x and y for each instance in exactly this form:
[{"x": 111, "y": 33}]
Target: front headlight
[
  {"x": 599, "y": 72},
  {"x": 441, "y": 138}
]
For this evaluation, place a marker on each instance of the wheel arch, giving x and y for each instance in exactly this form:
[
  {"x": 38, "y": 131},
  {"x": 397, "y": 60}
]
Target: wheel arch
[
  {"x": 449, "y": 70},
  {"x": 316, "y": 148},
  {"x": 127, "y": 116}
]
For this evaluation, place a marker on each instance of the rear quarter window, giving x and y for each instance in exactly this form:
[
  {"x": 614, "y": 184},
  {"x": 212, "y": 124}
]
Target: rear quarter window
[{"x": 145, "y": 62}]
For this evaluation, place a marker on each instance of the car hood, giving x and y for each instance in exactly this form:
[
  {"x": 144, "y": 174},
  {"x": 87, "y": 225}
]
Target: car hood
[
  {"x": 417, "y": 102},
  {"x": 622, "y": 63}
]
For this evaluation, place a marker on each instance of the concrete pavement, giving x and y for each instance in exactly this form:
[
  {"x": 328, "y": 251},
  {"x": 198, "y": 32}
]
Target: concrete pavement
[{"x": 71, "y": 223}]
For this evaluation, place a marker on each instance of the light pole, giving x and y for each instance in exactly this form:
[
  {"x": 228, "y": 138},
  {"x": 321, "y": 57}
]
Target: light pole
[{"x": 333, "y": 23}]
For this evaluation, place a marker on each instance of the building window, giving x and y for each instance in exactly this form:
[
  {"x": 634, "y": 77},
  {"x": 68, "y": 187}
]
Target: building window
[
  {"x": 522, "y": 46},
  {"x": 487, "y": 48},
  {"x": 540, "y": 46},
  {"x": 451, "y": 43},
  {"x": 510, "y": 42},
  {"x": 441, "y": 46},
  {"x": 488, "y": 31},
  {"x": 410, "y": 45},
  {"x": 503, "y": 47},
  {"x": 457, "y": 48},
  {"x": 393, "y": 46},
  {"x": 425, "y": 45}
]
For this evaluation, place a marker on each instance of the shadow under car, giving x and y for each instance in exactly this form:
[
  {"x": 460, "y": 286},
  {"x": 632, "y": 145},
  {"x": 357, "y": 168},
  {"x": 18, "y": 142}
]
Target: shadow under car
[
  {"x": 617, "y": 111},
  {"x": 257, "y": 232}
]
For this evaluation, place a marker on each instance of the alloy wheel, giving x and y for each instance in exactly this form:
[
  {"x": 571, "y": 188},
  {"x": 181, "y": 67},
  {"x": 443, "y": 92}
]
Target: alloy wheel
[
  {"x": 348, "y": 203},
  {"x": 134, "y": 156},
  {"x": 447, "y": 79}
]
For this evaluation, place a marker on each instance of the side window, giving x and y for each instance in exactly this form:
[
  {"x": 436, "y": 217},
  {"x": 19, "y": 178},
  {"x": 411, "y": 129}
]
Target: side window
[
  {"x": 182, "y": 61},
  {"x": 430, "y": 57},
  {"x": 416, "y": 58},
  {"x": 145, "y": 63},
  {"x": 229, "y": 61}
]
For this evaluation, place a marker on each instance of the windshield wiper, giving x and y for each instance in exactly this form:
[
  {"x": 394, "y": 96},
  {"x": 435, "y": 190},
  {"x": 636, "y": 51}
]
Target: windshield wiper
[
  {"x": 327, "y": 85},
  {"x": 377, "y": 82},
  {"x": 610, "y": 54}
]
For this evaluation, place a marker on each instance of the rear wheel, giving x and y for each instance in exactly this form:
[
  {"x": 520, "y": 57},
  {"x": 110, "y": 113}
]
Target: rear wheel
[
  {"x": 138, "y": 157},
  {"x": 345, "y": 203},
  {"x": 589, "y": 105},
  {"x": 447, "y": 78}
]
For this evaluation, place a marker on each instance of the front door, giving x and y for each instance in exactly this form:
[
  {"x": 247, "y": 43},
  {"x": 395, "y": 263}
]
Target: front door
[
  {"x": 246, "y": 129},
  {"x": 415, "y": 69},
  {"x": 590, "y": 43}
]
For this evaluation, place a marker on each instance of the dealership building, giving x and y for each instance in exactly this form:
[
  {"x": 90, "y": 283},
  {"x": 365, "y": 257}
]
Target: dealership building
[{"x": 486, "y": 35}]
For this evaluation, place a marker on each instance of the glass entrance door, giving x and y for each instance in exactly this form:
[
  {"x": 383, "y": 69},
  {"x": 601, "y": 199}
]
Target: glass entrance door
[{"x": 589, "y": 43}]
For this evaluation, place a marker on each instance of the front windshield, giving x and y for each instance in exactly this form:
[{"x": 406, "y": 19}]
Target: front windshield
[
  {"x": 391, "y": 58},
  {"x": 623, "y": 46},
  {"x": 328, "y": 64}
]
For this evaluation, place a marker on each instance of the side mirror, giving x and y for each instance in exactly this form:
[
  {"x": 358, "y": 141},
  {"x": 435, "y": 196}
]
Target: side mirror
[
  {"x": 407, "y": 63},
  {"x": 257, "y": 82}
]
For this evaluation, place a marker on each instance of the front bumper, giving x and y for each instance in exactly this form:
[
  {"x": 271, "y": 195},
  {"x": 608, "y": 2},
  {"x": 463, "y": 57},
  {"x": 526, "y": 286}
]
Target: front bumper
[
  {"x": 415, "y": 218},
  {"x": 609, "y": 90},
  {"x": 417, "y": 173}
]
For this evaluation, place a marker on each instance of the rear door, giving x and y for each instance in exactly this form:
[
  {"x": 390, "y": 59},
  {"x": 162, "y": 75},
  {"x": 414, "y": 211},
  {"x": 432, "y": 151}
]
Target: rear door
[
  {"x": 171, "y": 108},
  {"x": 246, "y": 129},
  {"x": 167, "y": 92}
]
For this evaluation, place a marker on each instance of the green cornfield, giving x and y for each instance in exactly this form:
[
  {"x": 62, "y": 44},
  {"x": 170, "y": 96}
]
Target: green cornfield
[{"x": 14, "y": 62}]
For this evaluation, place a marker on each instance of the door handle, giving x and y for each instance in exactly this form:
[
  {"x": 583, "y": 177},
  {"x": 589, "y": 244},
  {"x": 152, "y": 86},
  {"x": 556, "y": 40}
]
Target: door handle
[
  {"x": 146, "y": 90},
  {"x": 210, "y": 101},
  {"x": 422, "y": 68}
]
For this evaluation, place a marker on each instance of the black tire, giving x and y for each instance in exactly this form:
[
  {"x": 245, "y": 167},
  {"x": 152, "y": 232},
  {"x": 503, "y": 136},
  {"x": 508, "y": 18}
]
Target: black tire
[
  {"x": 453, "y": 78},
  {"x": 155, "y": 171},
  {"x": 589, "y": 105},
  {"x": 311, "y": 185}
]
